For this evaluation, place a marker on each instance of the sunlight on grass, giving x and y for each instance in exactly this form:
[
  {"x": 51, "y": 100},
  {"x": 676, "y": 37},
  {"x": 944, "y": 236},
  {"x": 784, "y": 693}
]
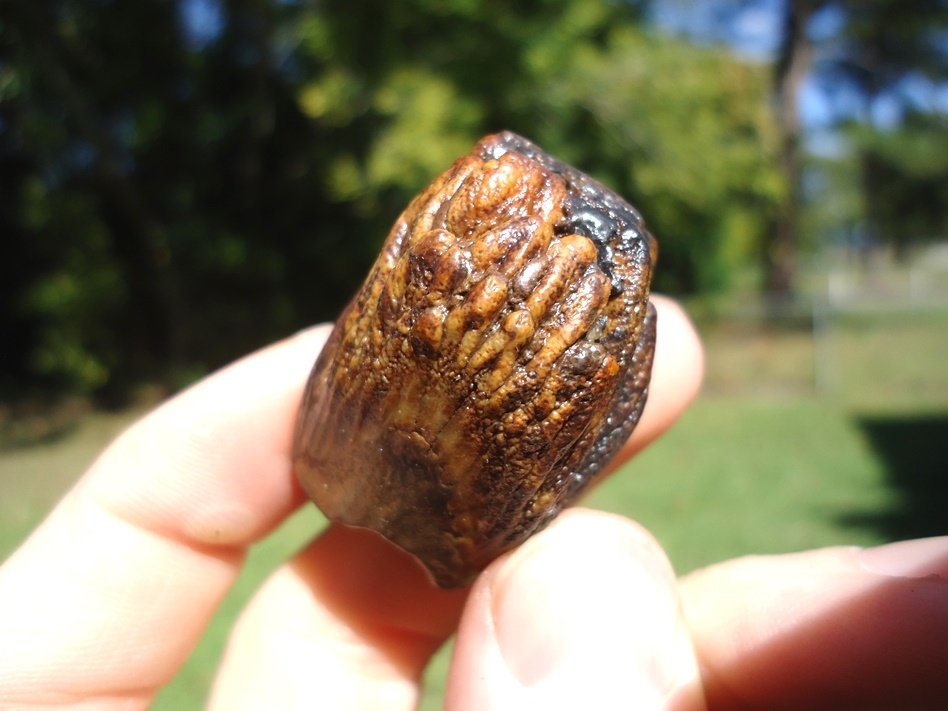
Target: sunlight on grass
[{"x": 737, "y": 476}]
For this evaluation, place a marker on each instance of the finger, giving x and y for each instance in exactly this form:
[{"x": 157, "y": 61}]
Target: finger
[
  {"x": 367, "y": 571},
  {"x": 348, "y": 624},
  {"x": 676, "y": 375},
  {"x": 104, "y": 602},
  {"x": 840, "y": 628},
  {"x": 583, "y": 615}
]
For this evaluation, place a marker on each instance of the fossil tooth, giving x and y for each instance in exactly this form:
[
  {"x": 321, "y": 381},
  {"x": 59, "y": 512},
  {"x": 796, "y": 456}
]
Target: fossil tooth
[{"x": 494, "y": 361}]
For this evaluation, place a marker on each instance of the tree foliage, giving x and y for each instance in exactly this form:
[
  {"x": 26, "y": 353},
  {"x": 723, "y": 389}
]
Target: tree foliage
[
  {"x": 171, "y": 199},
  {"x": 687, "y": 133},
  {"x": 881, "y": 67},
  {"x": 905, "y": 181}
]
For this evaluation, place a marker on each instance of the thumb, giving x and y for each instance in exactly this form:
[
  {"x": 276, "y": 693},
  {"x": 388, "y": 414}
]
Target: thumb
[{"x": 583, "y": 615}]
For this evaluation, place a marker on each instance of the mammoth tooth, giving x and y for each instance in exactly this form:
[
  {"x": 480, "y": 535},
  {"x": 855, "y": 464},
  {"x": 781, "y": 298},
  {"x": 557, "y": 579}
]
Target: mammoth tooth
[{"x": 493, "y": 362}]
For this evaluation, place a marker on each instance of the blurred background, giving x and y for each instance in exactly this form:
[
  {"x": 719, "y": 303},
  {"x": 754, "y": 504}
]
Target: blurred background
[{"x": 182, "y": 181}]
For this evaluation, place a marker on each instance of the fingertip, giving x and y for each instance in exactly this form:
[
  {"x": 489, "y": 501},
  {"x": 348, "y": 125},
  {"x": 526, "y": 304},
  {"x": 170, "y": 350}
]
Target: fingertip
[
  {"x": 212, "y": 465},
  {"x": 677, "y": 373},
  {"x": 858, "y": 628},
  {"x": 350, "y": 622},
  {"x": 583, "y": 615},
  {"x": 679, "y": 351}
]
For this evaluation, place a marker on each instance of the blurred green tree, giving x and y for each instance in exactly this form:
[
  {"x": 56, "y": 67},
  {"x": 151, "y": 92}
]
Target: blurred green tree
[
  {"x": 688, "y": 134},
  {"x": 896, "y": 56},
  {"x": 905, "y": 180},
  {"x": 159, "y": 201},
  {"x": 877, "y": 65},
  {"x": 176, "y": 193},
  {"x": 685, "y": 132}
]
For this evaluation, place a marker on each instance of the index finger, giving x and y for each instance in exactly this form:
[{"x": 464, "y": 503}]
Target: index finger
[{"x": 107, "y": 598}]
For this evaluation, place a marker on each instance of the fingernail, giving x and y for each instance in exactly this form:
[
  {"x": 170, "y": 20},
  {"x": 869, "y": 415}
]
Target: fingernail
[
  {"x": 921, "y": 558},
  {"x": 593, "y": 599}
]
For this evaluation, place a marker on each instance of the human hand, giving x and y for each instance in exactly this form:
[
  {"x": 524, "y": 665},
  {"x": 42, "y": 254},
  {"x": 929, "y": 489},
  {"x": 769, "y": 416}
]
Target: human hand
[{"x": 105, "y": 601}]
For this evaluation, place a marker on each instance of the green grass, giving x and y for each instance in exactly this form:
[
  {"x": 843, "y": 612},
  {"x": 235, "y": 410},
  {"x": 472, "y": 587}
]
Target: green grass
[
  {"x": 740, "y": 476},
  {"x": 763, "y": 463}
]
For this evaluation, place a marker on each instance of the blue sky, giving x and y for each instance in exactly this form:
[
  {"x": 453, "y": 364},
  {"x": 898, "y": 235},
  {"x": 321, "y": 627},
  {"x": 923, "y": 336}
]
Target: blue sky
[
  {"x": 754, "y": 32},
  {"x": 201, "y": 20}
]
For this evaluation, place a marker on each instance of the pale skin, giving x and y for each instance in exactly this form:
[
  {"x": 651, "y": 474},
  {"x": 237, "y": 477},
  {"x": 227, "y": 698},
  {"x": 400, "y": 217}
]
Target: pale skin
[{"x": 102, "y": 605}]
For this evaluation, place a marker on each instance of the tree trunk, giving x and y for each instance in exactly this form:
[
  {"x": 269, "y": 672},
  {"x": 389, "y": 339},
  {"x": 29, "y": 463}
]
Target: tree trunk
[{"x": 793, "y": 64}]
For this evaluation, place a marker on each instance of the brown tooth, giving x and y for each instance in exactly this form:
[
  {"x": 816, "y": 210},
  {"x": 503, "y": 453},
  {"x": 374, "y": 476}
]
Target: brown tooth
[{"x": 496, "y": 358}]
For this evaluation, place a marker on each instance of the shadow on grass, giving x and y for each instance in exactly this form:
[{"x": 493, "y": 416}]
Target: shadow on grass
[{"x": 914, "y": 451}]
